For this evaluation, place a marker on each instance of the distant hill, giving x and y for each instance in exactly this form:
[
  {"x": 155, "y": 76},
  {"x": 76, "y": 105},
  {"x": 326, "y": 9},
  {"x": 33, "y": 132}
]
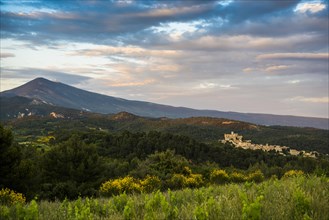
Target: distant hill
[
  {"x": 203, "y": 129},
  {"x": 62, "y": 95}
]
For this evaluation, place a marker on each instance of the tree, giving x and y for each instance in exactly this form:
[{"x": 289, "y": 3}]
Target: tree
[
  {"x": 10, "y": 157},
  {"x": 71, "y": 169},
  {"x": 161, "y": 164}
]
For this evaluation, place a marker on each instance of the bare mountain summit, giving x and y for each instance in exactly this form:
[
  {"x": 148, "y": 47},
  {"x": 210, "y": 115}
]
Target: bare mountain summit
[{"x": 59, "y": 94}]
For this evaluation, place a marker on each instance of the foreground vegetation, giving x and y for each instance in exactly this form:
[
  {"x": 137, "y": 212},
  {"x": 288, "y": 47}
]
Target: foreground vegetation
[{"x": 292, "y": 197}]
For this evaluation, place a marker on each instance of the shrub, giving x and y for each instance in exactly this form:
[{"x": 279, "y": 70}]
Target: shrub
[
  {"x": 127, "y": 184},
  {"x": 219, "y": 176},
  {"x": 157, "y": 207},
  {"x": 129, "y": 211},
  {"x": 213, "y": 208},
  {"x": 178, "y": 181},
  {"x": 302, "y": 203},
  {"x": 187, "y": 171},
  {"x": 194, "y": 180},
  {"x": 150, "y": 183},
  {"x": 10, "y": 197},
  {"x": 31, "y": 212},
  {"x": 256, "y": 176},
  {"x": 292, "y": 173},
  {"x": 130, "y": 184},
  {"x": 201, "y": 213},
  {"x": 237, "y": 177},
  {"x": 251, "y": 210},
  {"x": 120, "y": 202}
]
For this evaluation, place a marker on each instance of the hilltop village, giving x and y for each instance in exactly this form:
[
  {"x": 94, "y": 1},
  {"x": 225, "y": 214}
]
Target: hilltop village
[{"x": 237, "y": 141}]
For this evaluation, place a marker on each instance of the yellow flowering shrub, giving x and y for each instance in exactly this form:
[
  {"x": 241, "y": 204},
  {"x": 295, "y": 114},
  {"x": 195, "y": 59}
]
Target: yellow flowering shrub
[
  {"x": 256, "y": 176},
  {"x": 10, "y": 197},
  {"x": 237, "y": 177},
  {"x": 292, "y": 173},
  {"x": 178, "y": 181},
  {"x": 126, "y": 184},
  {"x": 194, "y": 180},
  {"x": 130, "y": 184},
  {"x": 45, "y": 139},
  {"x": 219, "y": 176},
  {"x": 150, "y": 183}
]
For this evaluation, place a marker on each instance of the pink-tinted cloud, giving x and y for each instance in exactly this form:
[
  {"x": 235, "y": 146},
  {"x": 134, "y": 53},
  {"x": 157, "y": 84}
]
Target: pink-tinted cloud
[{"x": 6, "y": 55}]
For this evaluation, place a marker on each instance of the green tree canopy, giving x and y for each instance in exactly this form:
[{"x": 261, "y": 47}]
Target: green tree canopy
[
  {"x": 72, "y": 168},
  {"x": 10, "y": 157},
  {"x": 162, "y": 164}
]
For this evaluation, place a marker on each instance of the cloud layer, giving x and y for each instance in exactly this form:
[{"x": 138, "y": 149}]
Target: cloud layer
[{"x": 250, "y": 56}]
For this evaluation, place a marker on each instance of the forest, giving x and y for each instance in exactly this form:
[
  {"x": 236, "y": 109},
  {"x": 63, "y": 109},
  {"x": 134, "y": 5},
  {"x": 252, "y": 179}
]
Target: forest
[{"x": 72, "y": 164}]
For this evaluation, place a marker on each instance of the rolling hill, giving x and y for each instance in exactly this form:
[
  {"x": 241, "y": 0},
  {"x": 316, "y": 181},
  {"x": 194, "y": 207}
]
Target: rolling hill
[
  {"x": 202, "y": 129},
  {"x": 57, "y": 94}
]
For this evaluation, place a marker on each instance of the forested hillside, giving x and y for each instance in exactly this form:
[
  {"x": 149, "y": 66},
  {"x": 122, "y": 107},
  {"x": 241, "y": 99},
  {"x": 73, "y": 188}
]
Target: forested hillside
[
  {"x": 64, "y": 162},
  {"x": 202, "y": 129}
]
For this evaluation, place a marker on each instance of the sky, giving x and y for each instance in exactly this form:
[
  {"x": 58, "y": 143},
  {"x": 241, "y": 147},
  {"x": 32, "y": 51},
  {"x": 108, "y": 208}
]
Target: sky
[{"x": 252, "y": 56}]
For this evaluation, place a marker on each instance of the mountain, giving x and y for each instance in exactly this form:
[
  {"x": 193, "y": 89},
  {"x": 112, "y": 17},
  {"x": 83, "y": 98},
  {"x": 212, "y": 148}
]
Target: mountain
[
  {"x": 21, "y": 107},
  {"x": 62, "y": 95}
]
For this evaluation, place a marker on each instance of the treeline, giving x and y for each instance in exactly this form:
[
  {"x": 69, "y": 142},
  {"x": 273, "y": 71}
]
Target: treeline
[{"x": 77, "y": 163}]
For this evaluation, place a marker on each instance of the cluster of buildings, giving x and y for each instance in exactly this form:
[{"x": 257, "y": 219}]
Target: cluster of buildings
[
  {"x": 56, "y": 115},
  {"x": 237, "y": 141}
]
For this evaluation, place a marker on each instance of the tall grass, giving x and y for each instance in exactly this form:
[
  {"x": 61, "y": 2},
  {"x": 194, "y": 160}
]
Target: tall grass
[{"x": 295, "y": 197}]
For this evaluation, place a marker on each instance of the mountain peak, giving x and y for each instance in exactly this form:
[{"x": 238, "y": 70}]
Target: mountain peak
[
  {"x": 32, "y": 88},
  {"x": 40, "y": 79}
]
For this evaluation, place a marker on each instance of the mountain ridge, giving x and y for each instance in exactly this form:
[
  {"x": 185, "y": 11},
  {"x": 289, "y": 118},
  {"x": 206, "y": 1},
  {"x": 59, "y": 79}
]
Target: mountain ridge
[{"x": 62, "y": 95}]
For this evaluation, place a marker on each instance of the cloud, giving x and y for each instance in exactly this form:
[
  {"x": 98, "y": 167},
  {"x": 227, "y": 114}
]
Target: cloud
[
  {"x": 207, "y": 85},
  {"x": 270, "y": 19},
  {"x": 310, "y": 99},
  {"x": 31, "y": 73},
  {"x": 246, "y": 42},
  {"x": 280, "y": 26},
  {"x": 131, "y": 51},
  {"x": 296, "y": 81},
  {"x": 96, "y": 22},
  {"x": 177, "y": 11},
  {"x": 136, "y": 83},
  {"x": 276, "y": 68},
  {"x": 248, "y": 70},
  {"x": 6, "y": 55},
  {"x": 312, "y": 7},
  {"x": 239, "y": 11},
  {"x": 112, "y": 22},
  {"x": 313, "y": 64},
  {"x": 294, "y": 56}
]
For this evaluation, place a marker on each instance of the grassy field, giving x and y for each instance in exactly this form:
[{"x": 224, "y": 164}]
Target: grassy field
[{"x": 299, "y": 197}]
